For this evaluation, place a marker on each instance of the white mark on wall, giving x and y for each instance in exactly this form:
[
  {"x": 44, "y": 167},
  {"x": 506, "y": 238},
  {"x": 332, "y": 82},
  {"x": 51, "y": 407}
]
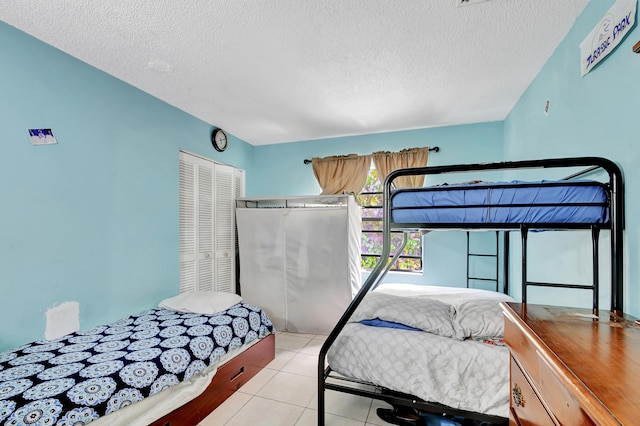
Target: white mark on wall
[{"x": 62, "y": 320}]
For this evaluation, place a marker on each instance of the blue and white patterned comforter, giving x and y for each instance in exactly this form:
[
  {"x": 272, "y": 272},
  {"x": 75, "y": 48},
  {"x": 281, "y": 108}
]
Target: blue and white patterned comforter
[{"x": 79, "y": 377}]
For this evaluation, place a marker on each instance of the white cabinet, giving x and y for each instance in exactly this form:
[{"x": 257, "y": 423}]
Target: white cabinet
[
  {"x": 208, "y": 191},
  {"x": 300, "y": 258}
]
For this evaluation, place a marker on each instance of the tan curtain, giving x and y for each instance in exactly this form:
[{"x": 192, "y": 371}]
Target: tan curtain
[
  {"x": 386, "y": 162},
  {"x": 341, "y": 173}
]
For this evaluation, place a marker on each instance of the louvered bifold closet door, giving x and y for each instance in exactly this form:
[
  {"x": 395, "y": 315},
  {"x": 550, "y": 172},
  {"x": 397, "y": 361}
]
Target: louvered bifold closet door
[
  {"x": 207, "y": 224},
  {"x": 238, "y": 185},
  {"x": 188, "y": 277},
  {"x": 206, "y": 255},
  {"x": 225, "y": 229}
]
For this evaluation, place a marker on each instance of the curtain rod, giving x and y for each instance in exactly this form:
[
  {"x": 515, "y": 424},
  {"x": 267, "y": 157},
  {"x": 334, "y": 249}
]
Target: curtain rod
[{"x": 434, "y": 149}]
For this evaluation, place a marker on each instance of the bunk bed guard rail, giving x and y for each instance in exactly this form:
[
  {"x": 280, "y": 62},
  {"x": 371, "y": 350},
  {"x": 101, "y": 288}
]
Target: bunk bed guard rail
[
  {"x": 616, "y": 223},
  {"x": 615, "y": 205}
]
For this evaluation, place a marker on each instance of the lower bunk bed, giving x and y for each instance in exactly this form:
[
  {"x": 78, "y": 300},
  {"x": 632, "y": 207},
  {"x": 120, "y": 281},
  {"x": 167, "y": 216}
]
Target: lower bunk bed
[
  {"x": 433, "y": 343},
  {"x": 160, "y": 367}
]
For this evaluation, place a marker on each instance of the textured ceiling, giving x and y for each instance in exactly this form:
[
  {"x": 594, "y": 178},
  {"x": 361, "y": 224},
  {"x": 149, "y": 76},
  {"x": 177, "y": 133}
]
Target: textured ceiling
[{"x": 272, "y": 71}]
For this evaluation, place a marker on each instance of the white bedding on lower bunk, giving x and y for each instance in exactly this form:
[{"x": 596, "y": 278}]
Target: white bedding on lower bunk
[
  {"x": 463, "y": 374},
  {"x": 437, "y": 365}
]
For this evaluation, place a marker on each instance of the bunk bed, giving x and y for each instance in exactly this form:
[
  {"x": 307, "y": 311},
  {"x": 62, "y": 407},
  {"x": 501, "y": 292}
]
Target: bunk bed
[
  {"x": 567, "y": 203},
  {"x": 160, "y": 367}
]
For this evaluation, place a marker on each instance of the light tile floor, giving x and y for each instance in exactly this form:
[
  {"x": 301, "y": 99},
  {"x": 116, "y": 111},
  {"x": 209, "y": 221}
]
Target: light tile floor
[{"x": 285, "y": 393}]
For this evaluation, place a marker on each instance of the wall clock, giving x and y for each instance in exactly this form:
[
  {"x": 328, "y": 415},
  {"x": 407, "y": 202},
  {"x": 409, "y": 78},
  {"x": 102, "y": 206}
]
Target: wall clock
[{"x": 219, "y": 140}]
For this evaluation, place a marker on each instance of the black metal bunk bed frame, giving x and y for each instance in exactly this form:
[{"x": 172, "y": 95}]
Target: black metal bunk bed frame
[{"x": 615, "y": 224}]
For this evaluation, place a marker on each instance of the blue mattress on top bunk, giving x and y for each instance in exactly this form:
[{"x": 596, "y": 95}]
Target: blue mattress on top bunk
[{"x": 541, "y": 202}]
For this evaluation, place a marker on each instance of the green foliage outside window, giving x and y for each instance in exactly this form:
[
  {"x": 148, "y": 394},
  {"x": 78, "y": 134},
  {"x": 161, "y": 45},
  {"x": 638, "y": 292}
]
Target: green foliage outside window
[{"x": 371, "y": 246}]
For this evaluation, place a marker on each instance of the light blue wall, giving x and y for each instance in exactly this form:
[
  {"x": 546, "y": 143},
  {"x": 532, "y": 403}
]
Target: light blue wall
[
  {"x": 597, "y": 114},
  {"x": 93, "y": 219},
  {"x": 279, "y": 171}
]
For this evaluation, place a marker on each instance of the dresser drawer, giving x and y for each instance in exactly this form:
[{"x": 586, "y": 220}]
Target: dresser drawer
[
  {"x": 524, "y": 402},
  {"x": 521, "y": 347},
  {"x": 563, "y": 405}
]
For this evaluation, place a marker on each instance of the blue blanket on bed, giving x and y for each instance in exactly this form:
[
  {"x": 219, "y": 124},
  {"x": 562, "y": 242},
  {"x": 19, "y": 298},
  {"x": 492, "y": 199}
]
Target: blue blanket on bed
[
  {"x": 82, "y": 376},
  {"x": 377, "y": 322}
]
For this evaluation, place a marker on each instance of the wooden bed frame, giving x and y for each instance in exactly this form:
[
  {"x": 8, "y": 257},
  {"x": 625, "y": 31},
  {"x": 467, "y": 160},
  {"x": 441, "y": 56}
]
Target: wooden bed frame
[{"x": 228, "y": 379}]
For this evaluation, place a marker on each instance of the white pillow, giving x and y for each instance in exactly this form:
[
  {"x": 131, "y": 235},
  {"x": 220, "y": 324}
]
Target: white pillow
[
  {"x": 480, "y": 318},
  {"x": 201, "y": 302},
  {"x": 426, "y": 314}
]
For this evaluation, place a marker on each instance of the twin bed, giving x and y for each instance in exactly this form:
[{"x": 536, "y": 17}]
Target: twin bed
[
  {"x": 160, "y": 367},
  {"x": 440, "y": 350}
]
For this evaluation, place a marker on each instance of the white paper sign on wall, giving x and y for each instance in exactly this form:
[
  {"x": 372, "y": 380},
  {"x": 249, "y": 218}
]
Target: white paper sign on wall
[
  {"x": 42, "y": 137},
  {"x": 607, "y": 34}
]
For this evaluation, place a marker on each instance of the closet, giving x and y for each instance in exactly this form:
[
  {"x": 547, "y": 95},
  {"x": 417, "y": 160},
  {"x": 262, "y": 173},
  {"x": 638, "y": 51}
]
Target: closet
[
  {"x": 208, "y": 191},
  {"x": 300, "y": 258}
]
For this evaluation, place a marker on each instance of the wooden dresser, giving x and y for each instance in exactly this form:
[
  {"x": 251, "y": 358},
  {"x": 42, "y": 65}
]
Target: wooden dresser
[{"x": 569, "y": 368}]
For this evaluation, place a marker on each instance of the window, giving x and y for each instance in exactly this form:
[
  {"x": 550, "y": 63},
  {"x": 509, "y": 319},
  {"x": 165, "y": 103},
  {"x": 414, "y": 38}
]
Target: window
[{"x": 371, "y": 201}]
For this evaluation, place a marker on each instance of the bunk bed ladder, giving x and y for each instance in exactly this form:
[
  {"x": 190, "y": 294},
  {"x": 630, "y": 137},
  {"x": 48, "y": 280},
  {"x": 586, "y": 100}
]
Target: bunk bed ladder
[
  {"x": 471, "y": 255},
  {"x": 594, "y": 286}
]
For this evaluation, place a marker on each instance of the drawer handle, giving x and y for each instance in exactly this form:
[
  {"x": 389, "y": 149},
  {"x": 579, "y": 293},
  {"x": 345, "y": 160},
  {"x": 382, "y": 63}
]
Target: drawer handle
[
  {"x": 518, "y": 398},
  {"x": 238, "y": 374}
]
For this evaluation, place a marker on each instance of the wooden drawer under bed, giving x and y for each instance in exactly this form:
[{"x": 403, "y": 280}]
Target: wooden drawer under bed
[{"x": 228, "y": 379}]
